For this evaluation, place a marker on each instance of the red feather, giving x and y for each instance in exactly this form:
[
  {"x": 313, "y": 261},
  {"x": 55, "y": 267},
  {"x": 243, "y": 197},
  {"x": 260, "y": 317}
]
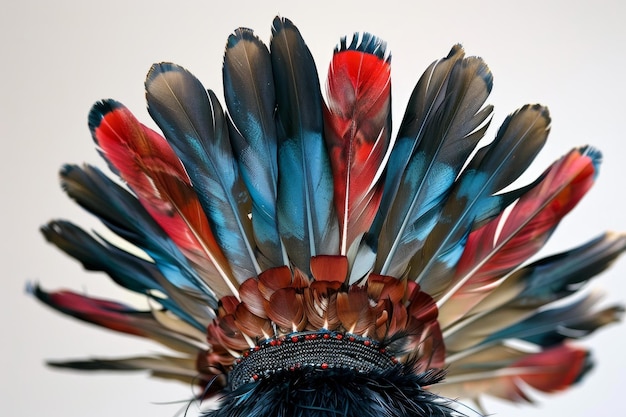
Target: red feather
[
  {"x": 357, "y": 127},
  {"x": 115, "y": 316},
  {"x": 151, "y": 168},
  {"x": 507, "y": 241},
  {"x": 553, "y": 369}
]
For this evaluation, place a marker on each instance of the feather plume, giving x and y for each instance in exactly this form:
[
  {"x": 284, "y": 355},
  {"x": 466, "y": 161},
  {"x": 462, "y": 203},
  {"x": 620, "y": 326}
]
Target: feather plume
[
  {"x": 116, "y": 316},
  {"x": 150, "y": 167},
  {"x": 444, "y": 121},
  {"x": 358, "y": 128},
  {"x": 291, "y": 282},
  {"x": 130, "y": 272},
  {"x": 306, "y": 219},
  {"x": 182, "y": 369},
  {"x": 547, "y": 371},
  {"x": 508, "y": 241},
  {"x": 518, "y": 321},
  {"x": 125, "y": 216},
  {"x": 195, "y": 127},
  {"x": 250, "y": 99},
  {"x": 544, "y": 281},
  {"x": 473, "y": 200}
]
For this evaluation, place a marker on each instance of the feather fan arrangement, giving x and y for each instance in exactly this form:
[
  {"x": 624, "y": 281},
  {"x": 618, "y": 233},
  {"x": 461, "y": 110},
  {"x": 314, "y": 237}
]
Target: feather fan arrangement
[{"x": 301, "y": 261}]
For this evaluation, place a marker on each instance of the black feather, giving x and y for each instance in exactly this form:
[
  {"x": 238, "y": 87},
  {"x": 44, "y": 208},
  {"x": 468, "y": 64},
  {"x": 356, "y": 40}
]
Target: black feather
[{"x": 394, "y": 392}]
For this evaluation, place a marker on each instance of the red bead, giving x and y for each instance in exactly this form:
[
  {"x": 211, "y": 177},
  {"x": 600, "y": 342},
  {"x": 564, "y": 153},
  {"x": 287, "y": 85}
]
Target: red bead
[
  {"x": 326, "y": 336},
  {"x": 338, "y": 336},
  {"x": 294, "y": 339},
  {"x": 324, "y": 366}
]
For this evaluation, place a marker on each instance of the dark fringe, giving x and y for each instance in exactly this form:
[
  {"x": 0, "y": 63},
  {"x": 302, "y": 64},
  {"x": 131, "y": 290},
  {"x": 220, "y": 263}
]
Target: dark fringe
[{"x": 394, "y": 392}]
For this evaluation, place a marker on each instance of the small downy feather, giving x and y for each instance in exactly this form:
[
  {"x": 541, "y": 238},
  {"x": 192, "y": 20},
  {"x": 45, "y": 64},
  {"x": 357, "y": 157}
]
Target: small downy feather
[
  {"x": 193, "y": 123},
  {"x": 357, "y": 124},
  {"x": 306, "y": 217}
]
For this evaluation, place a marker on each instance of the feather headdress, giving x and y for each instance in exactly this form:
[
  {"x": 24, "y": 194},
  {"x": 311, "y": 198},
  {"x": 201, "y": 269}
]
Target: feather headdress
[{"x": 300, "y": 262}]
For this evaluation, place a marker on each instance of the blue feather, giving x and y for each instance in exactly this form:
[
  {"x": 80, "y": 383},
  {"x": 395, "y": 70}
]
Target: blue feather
[
  {"x": 250, "y": 99},
  {"x": 444, "y": 121},
  {"x": 560, "y": 275},
  {"x": 473, "y": 199},
  {"x": 125, "y": 269},
  {"x": 194, "y": 125},
  {"x": 125, "y": 216},
  {"x": 306, "y": 216},
  {"x": 571, "y": 321}
]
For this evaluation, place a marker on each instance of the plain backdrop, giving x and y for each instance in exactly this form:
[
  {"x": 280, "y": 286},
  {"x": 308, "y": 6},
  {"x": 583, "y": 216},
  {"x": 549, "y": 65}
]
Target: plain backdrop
[{"x": 59, "y": 57}]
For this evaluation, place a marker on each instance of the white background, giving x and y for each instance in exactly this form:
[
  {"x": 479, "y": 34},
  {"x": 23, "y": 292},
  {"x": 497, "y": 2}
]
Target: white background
[{"x": 58, "y": 57}]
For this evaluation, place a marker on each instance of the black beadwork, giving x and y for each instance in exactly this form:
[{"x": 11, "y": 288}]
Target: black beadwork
[{"x": 312, "y": 350}]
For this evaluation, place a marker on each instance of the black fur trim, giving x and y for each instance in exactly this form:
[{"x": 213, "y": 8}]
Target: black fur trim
[{"x": 393, "y": 392}]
